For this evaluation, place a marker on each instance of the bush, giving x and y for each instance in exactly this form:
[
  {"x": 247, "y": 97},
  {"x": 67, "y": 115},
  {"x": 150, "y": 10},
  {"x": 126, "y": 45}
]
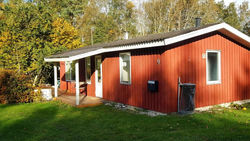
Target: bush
[{"x": 16, "y": 88}]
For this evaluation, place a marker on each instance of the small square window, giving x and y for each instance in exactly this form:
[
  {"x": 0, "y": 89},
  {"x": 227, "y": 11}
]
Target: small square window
[
  {"x": 125, "y": 68},
  {"x": 213, "y": 67}
]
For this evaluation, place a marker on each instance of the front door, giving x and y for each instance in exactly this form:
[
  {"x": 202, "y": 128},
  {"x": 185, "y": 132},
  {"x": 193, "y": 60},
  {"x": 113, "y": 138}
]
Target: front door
[{"x": 98, "y": 76}]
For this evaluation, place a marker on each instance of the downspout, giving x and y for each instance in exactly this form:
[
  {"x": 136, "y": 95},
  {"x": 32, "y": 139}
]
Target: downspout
[{"x": 178, "y": 91}]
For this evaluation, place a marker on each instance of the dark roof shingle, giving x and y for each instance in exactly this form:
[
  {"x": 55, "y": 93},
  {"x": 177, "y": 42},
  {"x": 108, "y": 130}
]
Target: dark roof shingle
[{"x": 148, "y": 38}]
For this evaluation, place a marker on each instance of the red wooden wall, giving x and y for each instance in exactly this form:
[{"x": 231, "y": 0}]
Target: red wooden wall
[{"x": 183, "y": 59}]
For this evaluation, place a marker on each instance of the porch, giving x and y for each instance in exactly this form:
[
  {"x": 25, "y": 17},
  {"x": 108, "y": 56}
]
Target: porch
[
  {"x": 84, "y": 100},
  {"x": 79, "y": 77}
]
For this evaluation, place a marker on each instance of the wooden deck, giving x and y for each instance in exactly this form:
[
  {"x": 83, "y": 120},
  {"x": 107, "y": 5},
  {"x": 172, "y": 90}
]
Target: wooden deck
[{"x": 85, "y": 101}]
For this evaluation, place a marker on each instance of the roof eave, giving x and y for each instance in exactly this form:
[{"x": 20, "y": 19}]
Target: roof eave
[
  {"x": 56, "y": 59},
  {"x": 223, "y": 28},
  {"x": 104, "y": 50}
]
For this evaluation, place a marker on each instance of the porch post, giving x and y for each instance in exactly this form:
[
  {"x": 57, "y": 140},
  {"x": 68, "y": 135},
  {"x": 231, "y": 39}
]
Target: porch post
[
  {"x": 55, "y": 80},
  {"x": 77, "y": 81}
]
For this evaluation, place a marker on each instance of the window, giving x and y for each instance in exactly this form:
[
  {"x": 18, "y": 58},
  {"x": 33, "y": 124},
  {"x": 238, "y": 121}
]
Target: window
[
  {"x": 98, "y": 62},
  {"x": 88, "y": 70},
  {"x": 70, "y": 71},
  {"x": 213, "y": 67},
  {"x": 125, "y": 68}
]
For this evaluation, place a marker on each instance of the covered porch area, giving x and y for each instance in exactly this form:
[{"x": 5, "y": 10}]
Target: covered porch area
[
  {"x": 80, "y": 89},
  {"x": 80, "y": 73},
  {"x": 84, "y": 100}
]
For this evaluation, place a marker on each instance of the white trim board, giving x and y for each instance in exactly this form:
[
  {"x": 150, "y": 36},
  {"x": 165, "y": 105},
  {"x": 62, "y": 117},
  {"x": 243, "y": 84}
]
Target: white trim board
[
  {"x": 223, "y": 27},
  {"x": 98, "y": 86},
  {"x": 219, "y": 67},
  {"x": 120, "y": 66},
  {"x": 205, "y": 31}
]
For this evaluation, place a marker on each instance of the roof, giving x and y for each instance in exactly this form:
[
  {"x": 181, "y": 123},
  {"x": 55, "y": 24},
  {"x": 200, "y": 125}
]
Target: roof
[{"x": 152, "y": 40}]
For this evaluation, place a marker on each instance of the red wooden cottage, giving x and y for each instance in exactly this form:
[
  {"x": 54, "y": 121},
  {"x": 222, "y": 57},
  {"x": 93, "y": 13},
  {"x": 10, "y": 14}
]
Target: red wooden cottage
[{"x": 215, "y": 57}]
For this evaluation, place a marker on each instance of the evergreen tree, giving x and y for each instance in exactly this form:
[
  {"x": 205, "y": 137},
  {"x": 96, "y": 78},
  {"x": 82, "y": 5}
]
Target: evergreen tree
[{"x": 231, "y": 17}]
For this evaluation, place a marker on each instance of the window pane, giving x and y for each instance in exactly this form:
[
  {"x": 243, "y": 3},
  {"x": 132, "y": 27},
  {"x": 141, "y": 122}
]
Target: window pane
[
  {"x": 125, "y": 68},
  {"x": 73, "y": 71},
  {"x": 70, "y": 70},
  {"x": 88, "y": 69},
  {"x": 67, "y": 70},
  {"x": 98, "y": 68},
  {"x": 213, "y": 66}
]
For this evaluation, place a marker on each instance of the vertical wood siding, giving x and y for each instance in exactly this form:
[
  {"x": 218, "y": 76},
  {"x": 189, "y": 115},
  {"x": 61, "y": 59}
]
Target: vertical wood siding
[
  {"x": 185, "y": 60},
  {"x": 91, "y": 87}
]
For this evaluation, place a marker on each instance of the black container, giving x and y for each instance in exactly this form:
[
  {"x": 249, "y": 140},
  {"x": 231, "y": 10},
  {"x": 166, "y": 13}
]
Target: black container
[
  {"x": 187, "y": 97},
  {"x": 153, "y": 85}
]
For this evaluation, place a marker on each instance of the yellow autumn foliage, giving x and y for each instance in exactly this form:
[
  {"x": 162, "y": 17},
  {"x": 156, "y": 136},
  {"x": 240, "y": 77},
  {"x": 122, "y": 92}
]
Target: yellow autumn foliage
[
  {"x": 64, "y": 34},
  {"x": 4, "y": 38}
]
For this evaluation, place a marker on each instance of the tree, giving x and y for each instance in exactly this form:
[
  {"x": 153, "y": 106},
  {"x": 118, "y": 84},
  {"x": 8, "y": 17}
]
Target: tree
[
  {"x": 88, "y": 22},
  {"x": 229, "y": 14},
  {"x": 30, "y": 32},
  {"x": 64, "y": 34},
  {"x": 69, "y": 10},
  {"x": 244, "y": 14},
  {"x": 165, "y": 16},
  {"x": 109, "y": 22},
  {"x": 209, "y": 12},
  {"x": 122, "y": 13},
  {"x": 156, "y": 11}
]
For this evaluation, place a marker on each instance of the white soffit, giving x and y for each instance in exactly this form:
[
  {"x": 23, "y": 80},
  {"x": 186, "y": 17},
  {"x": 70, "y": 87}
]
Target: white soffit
[{"x": 223, "y": 27}]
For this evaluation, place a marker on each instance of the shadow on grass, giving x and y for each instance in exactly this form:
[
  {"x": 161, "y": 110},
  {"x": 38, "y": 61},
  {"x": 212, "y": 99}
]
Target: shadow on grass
[
  {"x": 51, "y": 121},
  {"x": 23, "y": 124},
  {"x": 3, "y": 106}
]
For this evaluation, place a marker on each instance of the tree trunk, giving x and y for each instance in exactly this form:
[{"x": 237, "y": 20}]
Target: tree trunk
[{"x": 38, "y": 77}]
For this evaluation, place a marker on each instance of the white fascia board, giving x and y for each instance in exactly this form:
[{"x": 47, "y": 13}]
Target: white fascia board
[
  {"x": 77, "y": 57},
  {"x": 236, "y": 32},
  {"x": 118, "y": 48},
  {"x": 84, "y": 55},
  {"x": 191, "y": 34},
  {"x": 205, "y": 31},
  {"x": 56, "y": 59}
]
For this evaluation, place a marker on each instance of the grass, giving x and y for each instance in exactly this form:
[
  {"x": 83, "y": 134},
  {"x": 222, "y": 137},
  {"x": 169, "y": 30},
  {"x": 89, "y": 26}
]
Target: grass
[{"x": 57, "y": 121}]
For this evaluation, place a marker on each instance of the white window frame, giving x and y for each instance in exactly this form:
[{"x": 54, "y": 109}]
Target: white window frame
[
  {"x": 87, "y": 81},
  {"x": 70, "y": 74},
  {"x": 219, "y": 67},
  {"x": 120, "y": 64}
]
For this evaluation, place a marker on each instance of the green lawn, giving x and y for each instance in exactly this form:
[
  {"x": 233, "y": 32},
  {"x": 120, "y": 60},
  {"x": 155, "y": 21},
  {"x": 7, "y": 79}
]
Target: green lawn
[{"x": 57, "y": 121}]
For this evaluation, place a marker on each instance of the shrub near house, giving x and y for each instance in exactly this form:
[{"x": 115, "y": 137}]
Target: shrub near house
[{"x": 16, "y": 88}]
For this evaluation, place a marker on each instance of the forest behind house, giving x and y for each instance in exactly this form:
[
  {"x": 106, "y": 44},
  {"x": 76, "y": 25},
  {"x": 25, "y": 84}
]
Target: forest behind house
[{"x": 33, "y": 29}]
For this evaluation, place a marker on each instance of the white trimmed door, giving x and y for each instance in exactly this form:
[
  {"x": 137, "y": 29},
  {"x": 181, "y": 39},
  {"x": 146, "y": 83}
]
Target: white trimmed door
[{"x": 98, "y": 76}]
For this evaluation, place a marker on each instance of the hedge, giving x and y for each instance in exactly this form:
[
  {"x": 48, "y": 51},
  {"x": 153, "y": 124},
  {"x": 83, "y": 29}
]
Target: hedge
[{"x": 16, "y": 88}]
